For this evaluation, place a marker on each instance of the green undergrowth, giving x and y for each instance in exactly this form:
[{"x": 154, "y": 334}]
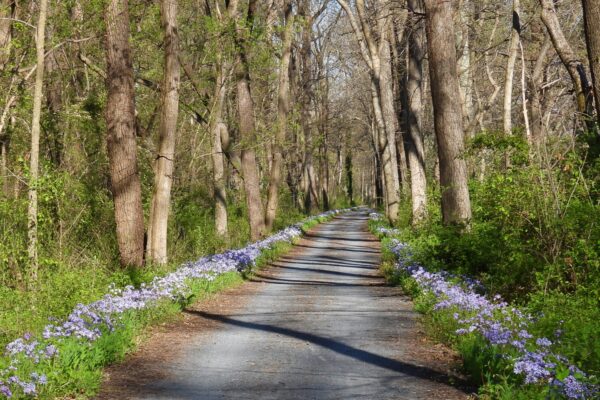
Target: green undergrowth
[{"x": 570, "y": 319}]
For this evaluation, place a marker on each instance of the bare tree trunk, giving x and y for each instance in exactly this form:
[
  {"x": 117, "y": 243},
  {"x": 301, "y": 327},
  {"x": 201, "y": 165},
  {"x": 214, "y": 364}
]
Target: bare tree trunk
[
  {"x": 311, "y": 199},
  {"x": 591, "y": 13},
  {"x": 120, "y": 120},
  {"x": 513, "y": 51},
  {"x": 6, "y": 11},
  {"x": 456, "y": 204},
  {"x": 389, "y": 112},
  {"x": 248, "y": 133},
  {"x": 32, "y": 213},
  {"x": 464, "y": 63},
  {"x": 4, "y": 165},
  {"x": 568, "y": 57},
  {"x": 165, "y": 159},
  {"x": 414, "y": 89},
  {"x": 535, "y": 103},
  {"x": 283, "y": 107},
  {"x": 219, "y": 130}
]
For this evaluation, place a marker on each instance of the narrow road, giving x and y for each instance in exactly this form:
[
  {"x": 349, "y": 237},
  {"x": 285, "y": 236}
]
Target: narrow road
[{"x": 319, "y": 324}]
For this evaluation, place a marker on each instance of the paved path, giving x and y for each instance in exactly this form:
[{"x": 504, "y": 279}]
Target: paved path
[{"x": 321, "y": 325}]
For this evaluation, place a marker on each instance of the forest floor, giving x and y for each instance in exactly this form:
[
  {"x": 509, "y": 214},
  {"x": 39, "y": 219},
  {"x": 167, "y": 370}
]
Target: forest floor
[{"x": 319, "y": 323}]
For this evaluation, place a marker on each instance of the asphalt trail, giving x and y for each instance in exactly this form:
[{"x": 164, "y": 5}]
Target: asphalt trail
[{"x": 323, "y": 325}]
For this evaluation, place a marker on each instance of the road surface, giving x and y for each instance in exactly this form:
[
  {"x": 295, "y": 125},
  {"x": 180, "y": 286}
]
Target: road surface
[{"x": 319, "y": 324}]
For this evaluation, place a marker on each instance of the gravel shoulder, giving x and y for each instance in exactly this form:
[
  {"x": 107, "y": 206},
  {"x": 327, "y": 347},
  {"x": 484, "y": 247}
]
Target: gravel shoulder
[{"x": 319, "y": 323}]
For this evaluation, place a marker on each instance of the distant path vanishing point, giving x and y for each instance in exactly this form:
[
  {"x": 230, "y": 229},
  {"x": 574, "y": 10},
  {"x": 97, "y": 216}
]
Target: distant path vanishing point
[{"x": 320, "y": 323}]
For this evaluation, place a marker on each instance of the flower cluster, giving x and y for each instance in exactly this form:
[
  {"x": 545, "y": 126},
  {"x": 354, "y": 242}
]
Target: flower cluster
[
  {"x": 496, "y": 321},
  {"x": 88, "y": 322}
]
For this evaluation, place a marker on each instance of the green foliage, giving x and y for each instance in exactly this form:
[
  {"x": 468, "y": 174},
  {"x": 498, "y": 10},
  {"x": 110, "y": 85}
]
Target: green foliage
[{"x": 535, "y": 240}]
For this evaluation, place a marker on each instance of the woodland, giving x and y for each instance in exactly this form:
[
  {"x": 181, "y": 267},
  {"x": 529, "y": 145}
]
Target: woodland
[{"x": 136, "y": 135}]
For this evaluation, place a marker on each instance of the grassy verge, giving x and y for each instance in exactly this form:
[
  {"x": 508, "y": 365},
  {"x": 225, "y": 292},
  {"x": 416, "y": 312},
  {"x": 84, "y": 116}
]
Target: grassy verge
[{"x": 45, "y": 368}]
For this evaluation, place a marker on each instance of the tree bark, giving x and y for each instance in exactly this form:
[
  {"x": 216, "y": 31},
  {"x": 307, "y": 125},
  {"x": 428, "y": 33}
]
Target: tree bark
[
  {"x": 591, "y": 14},
  {"x": 456, "y": 204},
  {"x": 283, "y": 107},
  {"x": 165, "y": 159},
  {"x": 414, "y": 111},
  {"x": 311, "y": 199},
  {"x": 121, "y": 143},
  {"x": 7, "y": 8},
  {"x": 390, "y": 116},
  {"x": 248, "y": 132},
  {"x": 464, "y": 63},
  {"x": 535, "y": 102},
  {"x": 219, "y": 130},
  {"x": 32, "y": 213},
  {"x": 568, "y": 57},
  {"x": 515, "y": 38}
]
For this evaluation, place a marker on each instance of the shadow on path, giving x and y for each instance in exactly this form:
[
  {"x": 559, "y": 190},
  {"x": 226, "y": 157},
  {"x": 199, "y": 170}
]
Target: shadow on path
[{"x": 342, "y": 348}]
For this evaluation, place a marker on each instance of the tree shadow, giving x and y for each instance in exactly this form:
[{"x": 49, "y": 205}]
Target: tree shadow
[{"x": 416, "y": 371}]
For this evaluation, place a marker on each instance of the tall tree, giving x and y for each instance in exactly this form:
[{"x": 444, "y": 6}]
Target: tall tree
[
  {"x": 165, "y": 158},
  {"x": 218, "y": 127},
  {"x": 121, "y": 142},
  {"x": 311, "y": 197},
  {"x": 40, "y": 39},
  {"x": 247, "y": 126},
  {"x": 414, "y": 111},
  {"x": 283, "y": 107},
  {"x": 7, "y": 9},
  {"x": 513, "y": 51},
  {"x": 591, "y": 14},
  {"x": 456, "y": 203}
]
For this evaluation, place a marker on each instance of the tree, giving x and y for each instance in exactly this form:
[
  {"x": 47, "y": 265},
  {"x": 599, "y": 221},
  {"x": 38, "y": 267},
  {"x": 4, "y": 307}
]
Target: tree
[
  {"x": 247, "y": 125},
  {"x": 568, "y": 57},
  {"x": 414, "y": 110},
  {"x": 121, "y": 142},
  {"x": 7, "y": 9},
  {"x": 456, "y": 204},
  {"x": 591, "y": 14},
  {"x": 283, "y": 107},
  {"x": 165, "y": 158},
  {"x": 34, "y": 162},
  {"x": 515, "y": 38}
]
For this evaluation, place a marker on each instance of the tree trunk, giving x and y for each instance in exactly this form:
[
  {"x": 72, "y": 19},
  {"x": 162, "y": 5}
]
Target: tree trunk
[
  {"x": 389, "y": 113},
  {"x": 248, "y": 132},
  {"x": 120, "y": 121},
  {"x": 414, "y": 111},
  {"x": 513, "y": 51},
  {"x": 165, "y": 159},
  {"x": 219, "y": 131},
  {"x": 568, "y": 57},
  {"x": 6, "y": 11},
  {"x": 32, "y": 212},
  {"x": 535, "y": 102},
  {"x": 591, "y": 13},
  {"x": 283, "y": 107},
  {"x": 456, "y": 204},
  {"x": 464, "y": 63}
]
